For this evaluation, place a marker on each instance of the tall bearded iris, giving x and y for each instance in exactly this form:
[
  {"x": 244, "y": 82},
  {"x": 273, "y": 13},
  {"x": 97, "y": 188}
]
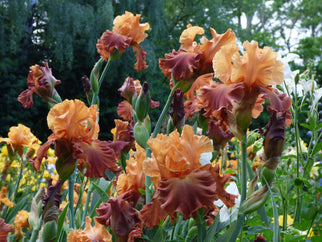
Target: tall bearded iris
[{"x": 75, "y": 132}]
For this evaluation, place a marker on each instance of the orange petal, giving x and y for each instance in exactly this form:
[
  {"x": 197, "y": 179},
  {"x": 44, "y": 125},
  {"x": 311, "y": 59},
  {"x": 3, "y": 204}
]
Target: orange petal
[
  {"x": 188, "y": 36},
  {"x": 124, "y": 110},
  {"x": 130, "y": 26},
  {"x": 140, "y": 63},
  {"x": 203, "y": 80},
  {"x": 72, "y": 119},
  {"x": 96, "y": 233},
  {"x": 222, "y": 62},
  {"x": 211, "y": 47},
  {"x": 257, "y": 66}
]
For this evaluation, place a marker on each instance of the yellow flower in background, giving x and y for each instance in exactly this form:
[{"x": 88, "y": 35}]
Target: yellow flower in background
[
  {"x": 20, "y": 222},
  {"x": 290, "y": 220},
  {"x": 4, "y": 199}
]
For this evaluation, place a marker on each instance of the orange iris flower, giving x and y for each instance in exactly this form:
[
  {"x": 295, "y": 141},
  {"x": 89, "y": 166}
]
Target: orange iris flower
[
  {"x": 75, "y": 132},
  {"x": 193, "y": 60},
  {"x": 127, "y": 31},
  {"x": 186, "y": 185},
  {"x": 96, "y": 233},
  {"x": 18, "y": 137}
]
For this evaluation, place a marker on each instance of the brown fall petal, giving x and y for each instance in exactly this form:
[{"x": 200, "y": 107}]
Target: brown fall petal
[
  {"x": 5, "y": 229},
  {"x": 186, "y": 195},
  {"x": 51, "y": 202},
  {"x": 151, "y": 214},
  {"x": 119, "y": 215},
  {"x": 124, "y": 110},
  {"x": 140, "y": 63}
]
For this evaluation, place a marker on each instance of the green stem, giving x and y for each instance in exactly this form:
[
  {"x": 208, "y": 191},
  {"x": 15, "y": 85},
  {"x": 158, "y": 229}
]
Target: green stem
[
  {"x": 241, "y": 217},
  {"x": 18, "y": 182},
  {"x": 95, "y": 99},
  {"x": 71, "y": 181},
  {"x": 156, "y": 130}
]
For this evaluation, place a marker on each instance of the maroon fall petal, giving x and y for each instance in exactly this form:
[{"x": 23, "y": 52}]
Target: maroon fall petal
[
  {"x": 151, "y": 214},
  {"x": 180, "y": 63},
  {"x": 186, "y": 195},
  {"x": 140, "y": 63}
]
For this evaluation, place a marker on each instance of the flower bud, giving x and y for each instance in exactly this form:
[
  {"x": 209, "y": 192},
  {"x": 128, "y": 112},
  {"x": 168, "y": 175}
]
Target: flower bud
[
  {"x": 255, "y": 201},
  {"x": 49, "y": 232},
  {"x": 141, "y": 134},
  {"x": 177, "y": 112},
  {"x": 142, "y": 104}
]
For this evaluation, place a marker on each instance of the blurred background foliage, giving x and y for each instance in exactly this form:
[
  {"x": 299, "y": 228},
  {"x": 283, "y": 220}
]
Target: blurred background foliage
[{"x": 64, "y": 33}]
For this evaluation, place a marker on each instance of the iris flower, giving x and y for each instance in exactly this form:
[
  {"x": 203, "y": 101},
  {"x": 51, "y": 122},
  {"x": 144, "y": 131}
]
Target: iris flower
[
  {"x": 40, "y": 81},
  {"x": 96, "y": 233},
  {"x": 19, "y": 137},
  {"x": 127, "y": 31},
  {"x": 186, "y": 185},
  {"x": 245, "y": 81},
  {"x": 75, "y": 135},
  {"x": 5, "y": 229},
  {"x": 193, "y": 60}
]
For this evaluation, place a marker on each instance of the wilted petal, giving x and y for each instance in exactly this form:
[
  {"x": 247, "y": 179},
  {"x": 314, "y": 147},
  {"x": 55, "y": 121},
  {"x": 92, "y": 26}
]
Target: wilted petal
[
  {"x": 128, "y": 89},
  {"x": 219, "y": 133},
  {"x": 124, "y": 110},
  {"x": 140, "y": 63},
  {"x": 119, "y": 215},
  {"x": 187, "y": 195},
  {"x": 220, "y": 180},
  {"x": 258, "y": 108},
  {"x": 41, "y": 153},
  {"x": 180, "y": 64},
  {"x": 97, "y": 233},
  {"x": 51, "y": 202},
  {"x": 278, "y": 102},
  {"x": 25, "y": 98}
]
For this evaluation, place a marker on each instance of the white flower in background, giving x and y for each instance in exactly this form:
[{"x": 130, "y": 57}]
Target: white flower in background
[
  {"x": 229, "y": 214},
  {"x": 205, "y": 158},
  {"x": 314, "y": 172},
  {"x": 289, "y": 75}
]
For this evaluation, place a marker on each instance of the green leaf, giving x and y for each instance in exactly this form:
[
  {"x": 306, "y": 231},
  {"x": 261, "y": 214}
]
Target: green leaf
[
  {"x": 317, "y": 148},
  {"x": 61, "y": 220},
  {"x": 101, "y": 192},
  {"x": 211, "y": 231}
]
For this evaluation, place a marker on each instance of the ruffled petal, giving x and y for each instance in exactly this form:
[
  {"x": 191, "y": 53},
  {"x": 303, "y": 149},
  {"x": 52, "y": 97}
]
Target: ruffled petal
[
  {"x": 99, "y": 157},
  {"x": 130, "y": 26},
  {"x": 187, "y": 195},
  {"x": 222, "y": 62},
  {"x": 96, "y": 233},
  {"x": 119, "y": 215},
  {"x": 220, "y": 180},
  {"x": 203, "y": 80},
  {"x": 180, "y": 64},
  {"x": 110, "y": 41},
  {"x": 211, "y": 47},
  {"x": 151, "y": 214},
  {"x": 257, "y": 66},
  {"x": 124, "y": 110},
  {"x": 188, "y": 36},
  {"x": 220, "y": 95},
  {"x": 140, "y": 63}
]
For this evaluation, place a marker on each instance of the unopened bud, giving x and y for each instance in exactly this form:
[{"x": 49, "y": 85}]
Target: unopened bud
[
  {"x": 49, "y": 232},
  {"x": 142, "y": 104},
  {"x": 255, "y": 201},
  {"x": 141, "y": 134},
  {"x": 177, "y": 112}
]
